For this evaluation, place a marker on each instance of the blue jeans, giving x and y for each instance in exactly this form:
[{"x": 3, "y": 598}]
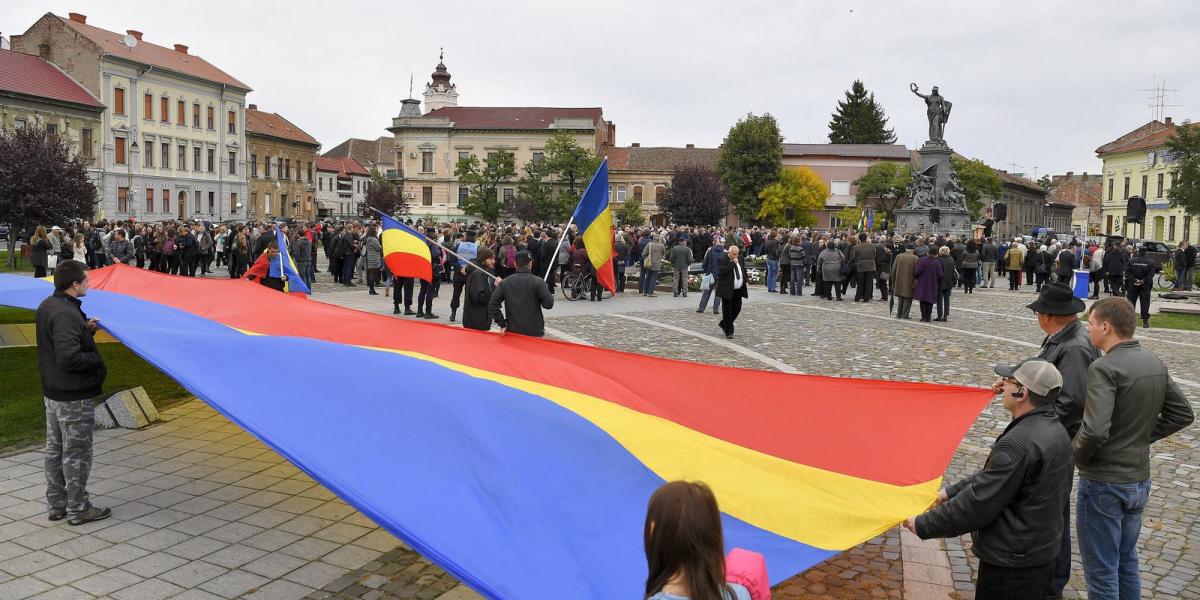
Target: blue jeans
[
  {"x": 943, "y": 304},
  {"x": 651, "y": 282},
  {"x": 772, "y": 274},
  {"x": 796, "y": 284},
  {"x": 1108, "y": 519},
  {"x": 716, "y": 299}
]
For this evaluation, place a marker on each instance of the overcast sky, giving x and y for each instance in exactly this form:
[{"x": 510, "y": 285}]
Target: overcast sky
[{"x": 1040, "y": 84}]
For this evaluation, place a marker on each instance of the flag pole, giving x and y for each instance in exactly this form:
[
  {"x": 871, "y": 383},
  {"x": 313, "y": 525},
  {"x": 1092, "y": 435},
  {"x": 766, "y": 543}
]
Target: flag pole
[
  {"x": 554, "y": 261},
  {"x": 448, "y": 251}
]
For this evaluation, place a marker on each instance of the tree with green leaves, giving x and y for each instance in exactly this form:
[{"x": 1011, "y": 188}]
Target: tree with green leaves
[
  {"x": 859, "y": 119},
  {"x": 978, "y": 181},
  {"x": 887, "y": 182},
  {"x": 630, "y": 213},
  {"x": 384, "y": 196},
  {"x": 800, "y": 189},
  {"x": 482, "y": 180},
  {"x": 570, "y": 165},
  {"x": 1045, "y": 182},
  {"x": 695, "y": 197},
  {"x": 749, "y": 161},
  {"x": 41, "y": 183},
  {"x": 1184, "y": 148}
]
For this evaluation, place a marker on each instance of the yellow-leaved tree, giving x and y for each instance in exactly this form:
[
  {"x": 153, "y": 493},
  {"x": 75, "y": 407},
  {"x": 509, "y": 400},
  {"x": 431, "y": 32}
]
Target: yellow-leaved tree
[{"x": 800, "y": 189}]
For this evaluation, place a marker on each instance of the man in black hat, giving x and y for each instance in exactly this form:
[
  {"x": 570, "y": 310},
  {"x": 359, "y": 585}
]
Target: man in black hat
[
  {"x": 1068, "y": 347},
  {"x": 1013, "y": 506}
]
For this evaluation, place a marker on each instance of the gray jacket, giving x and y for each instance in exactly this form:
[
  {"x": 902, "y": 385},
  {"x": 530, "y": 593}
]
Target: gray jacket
[
  {"x": 120, "y": 250},
  {"x": 1071, "y": 352},
  {"x": 681, "y": 257},
  {"x": 1131, "y": 402}
]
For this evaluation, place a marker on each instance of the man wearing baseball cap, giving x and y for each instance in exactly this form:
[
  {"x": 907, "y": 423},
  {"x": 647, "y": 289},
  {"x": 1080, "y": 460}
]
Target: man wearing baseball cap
[{"x": 1013, "y": 507}]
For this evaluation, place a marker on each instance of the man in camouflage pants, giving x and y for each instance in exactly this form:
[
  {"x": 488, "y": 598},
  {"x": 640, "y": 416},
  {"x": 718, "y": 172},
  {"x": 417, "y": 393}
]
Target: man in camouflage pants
[{"x": 72, "y": 375}]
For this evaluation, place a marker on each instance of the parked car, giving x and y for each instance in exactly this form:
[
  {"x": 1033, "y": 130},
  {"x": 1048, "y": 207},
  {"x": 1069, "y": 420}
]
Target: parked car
[{"x": 1157, "y": 252}]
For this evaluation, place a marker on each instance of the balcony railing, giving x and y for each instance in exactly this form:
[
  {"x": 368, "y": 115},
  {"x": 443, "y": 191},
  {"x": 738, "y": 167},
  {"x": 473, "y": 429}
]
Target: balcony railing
[{"x": 394, "y": 175}]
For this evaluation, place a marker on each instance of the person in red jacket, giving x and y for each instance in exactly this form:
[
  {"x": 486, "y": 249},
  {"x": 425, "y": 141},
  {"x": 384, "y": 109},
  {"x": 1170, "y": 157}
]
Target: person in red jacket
[{"x": 261, "y": 270}]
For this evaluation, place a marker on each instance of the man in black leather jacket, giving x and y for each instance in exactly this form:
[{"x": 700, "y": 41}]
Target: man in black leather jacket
[
  {"x": 1013, "y": 507},
  {"x": 1139, "y": 273}
]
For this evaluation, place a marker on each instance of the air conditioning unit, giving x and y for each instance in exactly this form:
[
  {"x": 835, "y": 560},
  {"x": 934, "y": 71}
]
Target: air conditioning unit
[{"x": 412, "y": 154}]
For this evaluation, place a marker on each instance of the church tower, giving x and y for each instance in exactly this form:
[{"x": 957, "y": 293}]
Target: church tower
[{"x": 440, "y": 92}]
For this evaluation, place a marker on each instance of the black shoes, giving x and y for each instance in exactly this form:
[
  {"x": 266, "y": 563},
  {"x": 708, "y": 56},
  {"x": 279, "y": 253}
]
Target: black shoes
[
  {"x": 431, "y": 316},
  {"x": 89, "y": 515},
  {"x": 396, "y": 310},
  {"x": 408, "y": 312},
  {"x": 57, "y": 516}
]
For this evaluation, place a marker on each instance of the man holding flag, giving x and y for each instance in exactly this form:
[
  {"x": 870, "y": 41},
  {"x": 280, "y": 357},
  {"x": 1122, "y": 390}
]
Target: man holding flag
[{"x": 276, "y": 269}]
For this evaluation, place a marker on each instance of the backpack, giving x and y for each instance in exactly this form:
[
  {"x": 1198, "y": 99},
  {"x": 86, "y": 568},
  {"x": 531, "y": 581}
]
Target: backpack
[{"x": 169, "y": 247}]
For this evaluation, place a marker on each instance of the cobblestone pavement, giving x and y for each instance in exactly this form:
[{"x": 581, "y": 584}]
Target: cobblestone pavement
[{"x": 183, "y": 525}]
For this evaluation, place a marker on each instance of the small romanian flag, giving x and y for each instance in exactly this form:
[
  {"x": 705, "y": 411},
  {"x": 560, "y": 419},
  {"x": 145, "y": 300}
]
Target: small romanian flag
[{"x": 405, "y": 251}]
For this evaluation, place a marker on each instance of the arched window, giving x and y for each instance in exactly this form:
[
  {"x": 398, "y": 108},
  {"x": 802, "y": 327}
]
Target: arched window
[{"x": 637, "y": 193}]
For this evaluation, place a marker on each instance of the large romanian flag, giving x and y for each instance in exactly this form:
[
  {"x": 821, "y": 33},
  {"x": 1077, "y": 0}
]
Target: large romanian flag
[
  {"x": 522, "y": 465},
  {"x": 405, "y": 250},
  {"x": 596, "y": 224}
]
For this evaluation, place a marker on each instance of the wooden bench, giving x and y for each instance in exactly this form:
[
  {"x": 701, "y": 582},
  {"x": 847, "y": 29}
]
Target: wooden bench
[{"x": 1179, "y": 308}]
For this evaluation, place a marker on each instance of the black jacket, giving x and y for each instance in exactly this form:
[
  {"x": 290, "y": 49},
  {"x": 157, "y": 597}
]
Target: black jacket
[
  {"x": 480, "y": 285},
  {"x": 1139, "y": 268},
  {"x": 1013, "y": 507},
  {"x": 1071, "y": 351},
  {"x": 523, "y": 295},
  {"x": 725, "y": 289},
  {"x": 68, "y": 358}
]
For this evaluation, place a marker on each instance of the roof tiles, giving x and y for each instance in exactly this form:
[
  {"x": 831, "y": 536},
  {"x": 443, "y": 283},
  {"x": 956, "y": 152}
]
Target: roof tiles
[
  {"x": 274, "y": 125},
  {"x": 29, "y": 75}
]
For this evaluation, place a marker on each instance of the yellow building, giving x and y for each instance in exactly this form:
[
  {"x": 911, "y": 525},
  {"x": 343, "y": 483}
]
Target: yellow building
[
  {"x": 1138, "y": 164},
  {"x": 282, "y": 159},
  {"x": 428, "y": 146}
]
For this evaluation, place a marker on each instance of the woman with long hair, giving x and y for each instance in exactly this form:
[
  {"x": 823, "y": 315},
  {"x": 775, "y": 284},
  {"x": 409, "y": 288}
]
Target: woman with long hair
[
  {"x": 40, "y": 250},
  {"x": 685, "y": 546}
]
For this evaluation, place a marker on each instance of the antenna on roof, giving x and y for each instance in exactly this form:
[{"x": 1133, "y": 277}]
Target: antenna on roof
[
  {"x": 410, "y": 84},
  {"x": 1158, "y": 95},
  {"x": 129, "y": 41},
  {"x": 441, "y": 53}
]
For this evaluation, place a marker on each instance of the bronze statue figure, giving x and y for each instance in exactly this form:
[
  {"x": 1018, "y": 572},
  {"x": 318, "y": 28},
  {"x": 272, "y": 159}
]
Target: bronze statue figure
[{"x": 937, "y": 110}]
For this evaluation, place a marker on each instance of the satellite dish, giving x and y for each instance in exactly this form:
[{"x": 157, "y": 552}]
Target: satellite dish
[{"x": 129, "y": 41}]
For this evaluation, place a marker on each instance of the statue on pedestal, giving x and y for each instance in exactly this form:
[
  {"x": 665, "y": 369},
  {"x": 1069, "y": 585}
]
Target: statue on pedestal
[{"x": 937, "y": 111}]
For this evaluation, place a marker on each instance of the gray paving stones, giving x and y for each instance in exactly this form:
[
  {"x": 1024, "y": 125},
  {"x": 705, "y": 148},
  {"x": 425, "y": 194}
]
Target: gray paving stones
[
  {"x": 233, "y": 584},
  {"x": 29, "y": 563},
  {"x": 193, "y": 573},
  {"x": 234, "y": 556},
  {"x": 148, "y": 589},
  {"x": 117, "y": 555},
  {"x": 67, "y": 572},
  {"x": 153, "y": 564},
  {"x": 315, "y": 574},
  {"x": 107, "y": 582}
]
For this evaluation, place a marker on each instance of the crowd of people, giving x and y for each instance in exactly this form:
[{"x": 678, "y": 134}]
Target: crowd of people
[{"x": 1092, "y": 401}]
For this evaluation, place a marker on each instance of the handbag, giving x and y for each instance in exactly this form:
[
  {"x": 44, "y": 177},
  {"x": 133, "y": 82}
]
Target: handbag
[{"x": 706, "y": 282}]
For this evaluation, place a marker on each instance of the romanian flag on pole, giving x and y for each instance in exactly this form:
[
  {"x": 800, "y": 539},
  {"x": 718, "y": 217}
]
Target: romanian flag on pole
[
  {"x": 523, "y": 465},
  {"x": 405, "y": 250},
  {"x": 596, "y": 224},
  {"x": 285, "y": 265}
]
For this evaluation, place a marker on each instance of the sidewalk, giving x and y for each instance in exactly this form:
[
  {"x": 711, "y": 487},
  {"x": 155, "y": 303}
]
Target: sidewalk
[{"x": 201, "y": 510}]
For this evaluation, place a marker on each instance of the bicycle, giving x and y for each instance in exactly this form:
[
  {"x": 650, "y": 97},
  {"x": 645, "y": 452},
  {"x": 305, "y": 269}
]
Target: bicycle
[{"x": 577, "y": 285}]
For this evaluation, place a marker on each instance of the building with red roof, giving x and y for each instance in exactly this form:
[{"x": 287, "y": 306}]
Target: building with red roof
[
  {"x": 172, "y": 142},
  {"x": 281, "y": 164},
  {"x": 341, "y": 186},
  {"x": 37, "y": 93},
  {"x": 1139, "y": 163},
  {"x": 426, "y": 146}
]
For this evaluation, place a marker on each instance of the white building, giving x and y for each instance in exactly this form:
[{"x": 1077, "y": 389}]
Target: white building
[
  {"x": 341, "y": 187},
  {"x": 173, "y": 137}
]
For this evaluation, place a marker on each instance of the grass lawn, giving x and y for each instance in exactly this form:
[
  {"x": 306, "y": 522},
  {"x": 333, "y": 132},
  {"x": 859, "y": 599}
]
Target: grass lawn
[
  {"x": 10, "y": 315},
  {"x": 22, "y": 414},
  {"x": 23, "y": 265},
  {"x": 1175, "y": 321}
]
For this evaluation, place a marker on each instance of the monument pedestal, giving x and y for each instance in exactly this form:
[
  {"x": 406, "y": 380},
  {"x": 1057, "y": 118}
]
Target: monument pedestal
[{"x": 952, "y": 221}]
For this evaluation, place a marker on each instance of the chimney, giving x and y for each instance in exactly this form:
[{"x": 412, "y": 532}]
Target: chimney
[
  {"x": 635, "y": 145},
  {"x": 78, "y": 18},
  {"x": 253, "y": 107},
  {"x": 1168, "y": 121},
  {"x": 180, "y": 48},
  {"x": 137, "y": 35},
  {"x": 690, "y": 146},
  {"x": 44, "y": 52}
]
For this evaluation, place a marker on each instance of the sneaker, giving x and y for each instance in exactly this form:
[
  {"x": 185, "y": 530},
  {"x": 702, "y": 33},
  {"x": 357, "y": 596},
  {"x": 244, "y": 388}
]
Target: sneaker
[
  {"x": 431, "y": 316},
  {"x": 408, "y": 313},
  {"x": 89, "y": 515},
  {"x": 396, "y": 311},
  {"x": 56, "y": 515}
]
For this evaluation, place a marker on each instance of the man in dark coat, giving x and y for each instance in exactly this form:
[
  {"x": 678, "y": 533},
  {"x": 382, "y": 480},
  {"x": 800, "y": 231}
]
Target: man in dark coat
[
  {"x": 865, "y": 263},
  {"x": 523, "y": 295},
  {"x": 479, "y": 287},
  {"x": 1013, "y": 507},
  {"x": 731, "y": 287},
  {"x": 72, "y": 373}
]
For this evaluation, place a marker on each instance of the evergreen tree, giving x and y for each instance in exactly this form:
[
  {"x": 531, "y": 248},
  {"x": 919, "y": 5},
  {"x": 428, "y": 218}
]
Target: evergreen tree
[{"x": 859, "y": 119}]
